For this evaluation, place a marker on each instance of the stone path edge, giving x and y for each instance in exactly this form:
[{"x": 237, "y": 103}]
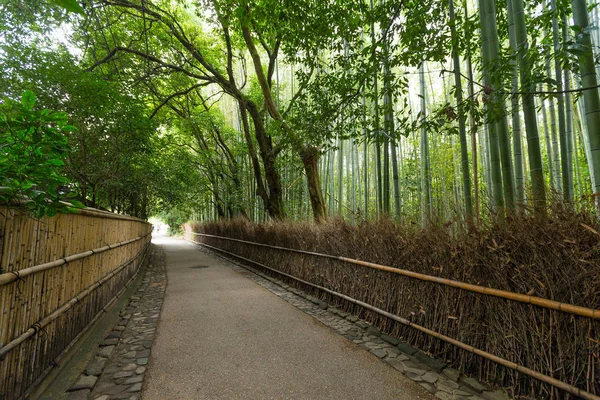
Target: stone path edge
[
  {"x": 435, "y": 376},
  {"x": 117, "y": 371}
]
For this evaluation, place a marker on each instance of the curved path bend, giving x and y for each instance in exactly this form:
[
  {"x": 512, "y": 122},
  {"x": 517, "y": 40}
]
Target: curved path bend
[{"x": 223, "y": 336}]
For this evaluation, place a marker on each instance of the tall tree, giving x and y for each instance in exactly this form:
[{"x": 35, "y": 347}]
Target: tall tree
[{"x": 534, "y": 151}]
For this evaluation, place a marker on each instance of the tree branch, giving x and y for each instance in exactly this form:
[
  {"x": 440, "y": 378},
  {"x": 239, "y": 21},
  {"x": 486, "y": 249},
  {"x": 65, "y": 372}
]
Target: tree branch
[{"x": 176, "y": 94}]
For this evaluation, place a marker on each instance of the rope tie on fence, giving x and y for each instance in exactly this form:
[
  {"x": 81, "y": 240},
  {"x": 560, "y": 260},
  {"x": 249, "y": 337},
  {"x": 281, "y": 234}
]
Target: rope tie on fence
[
  {"x": 19, "y": 280},
  {"x": 44, "y": 331}
]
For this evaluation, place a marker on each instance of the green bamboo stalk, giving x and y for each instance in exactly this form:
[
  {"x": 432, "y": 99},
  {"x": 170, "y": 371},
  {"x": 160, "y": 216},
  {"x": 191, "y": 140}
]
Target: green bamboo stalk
[
  {"x": 390, "y": 145},
  {"x": 531, "y": 128},
  {"x": 462, "y": 130},
  {"x": 425, "y": 162},
  {"x": 569, "y": 117},
  {"x": 365, "y": 169},
  {"x": 472, "y": 125},
  {"x": 548, "y": 140},
  {"x": 516, "y": 120},
  {"x": 553, "y": 132},
  {"x": 499, "y": 107},
  {"x": 378, "y": 169},
  {"x": 567, "y": 173},
  {"x": 340, "y": 176},
  {"x": 579, "y": 112},
  {"x": 353, "y": 172},
  {"x": 487, "y": 18},
  {"x": 589, "y": 82}
]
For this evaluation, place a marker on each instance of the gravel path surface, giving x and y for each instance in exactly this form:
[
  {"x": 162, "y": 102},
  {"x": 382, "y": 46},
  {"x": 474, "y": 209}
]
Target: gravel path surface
[{"x": 222, "y": 336}]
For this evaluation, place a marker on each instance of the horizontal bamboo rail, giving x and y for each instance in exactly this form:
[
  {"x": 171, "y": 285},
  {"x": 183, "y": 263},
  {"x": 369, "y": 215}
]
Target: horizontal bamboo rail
[
  {"x": 52, "y": 283},
  {"x": 484, "y": 354},
  {"x": 523, "y": 298},
  {"x": 38, "y": 326},
  {"x": 12, "y": 276},
  {"x": 104, "y": 309}
]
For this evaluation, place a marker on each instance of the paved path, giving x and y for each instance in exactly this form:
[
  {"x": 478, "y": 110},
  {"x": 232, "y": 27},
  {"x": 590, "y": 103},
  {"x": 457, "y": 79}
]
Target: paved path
[{"x": 222, "y": 336}]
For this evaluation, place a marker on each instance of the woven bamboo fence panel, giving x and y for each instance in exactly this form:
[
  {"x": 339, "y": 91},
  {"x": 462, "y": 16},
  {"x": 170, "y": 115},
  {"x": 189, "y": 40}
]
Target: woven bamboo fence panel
[{"x": 43, "y": 312}]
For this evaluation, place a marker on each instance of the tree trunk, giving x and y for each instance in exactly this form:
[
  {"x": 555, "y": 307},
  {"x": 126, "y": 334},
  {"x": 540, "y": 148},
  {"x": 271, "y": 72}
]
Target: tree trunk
[
  {"x": 310, "y": 159},
  {"x": 274, "y": 202}
]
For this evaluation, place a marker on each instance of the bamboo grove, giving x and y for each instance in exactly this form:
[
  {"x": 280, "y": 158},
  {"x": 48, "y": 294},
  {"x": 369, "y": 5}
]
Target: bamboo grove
[{"x": 416, "y": 110}]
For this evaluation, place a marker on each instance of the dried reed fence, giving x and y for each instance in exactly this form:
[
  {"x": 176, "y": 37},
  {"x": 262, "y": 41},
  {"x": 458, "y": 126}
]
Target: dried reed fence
[
  {"x": 556, "y": 258},
  {"x": 56, "y": 276}
]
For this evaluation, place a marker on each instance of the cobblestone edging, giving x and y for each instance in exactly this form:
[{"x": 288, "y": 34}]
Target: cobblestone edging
[
  {"x": 118, "y": 369},
  {"x": 444, "y": 382}
]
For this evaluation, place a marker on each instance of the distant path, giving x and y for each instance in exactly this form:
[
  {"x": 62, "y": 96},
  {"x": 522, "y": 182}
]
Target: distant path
[{"x": 223, "y": 336}]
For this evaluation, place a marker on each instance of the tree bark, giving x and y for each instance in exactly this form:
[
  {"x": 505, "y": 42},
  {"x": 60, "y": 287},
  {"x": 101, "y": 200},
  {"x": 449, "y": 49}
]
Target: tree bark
[
  {"x": 274, "y": 203},
  {"x": 310, "y": 158}
]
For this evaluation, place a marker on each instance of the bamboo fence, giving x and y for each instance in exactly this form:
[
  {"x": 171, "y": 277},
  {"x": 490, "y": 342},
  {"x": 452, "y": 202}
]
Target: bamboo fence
[
  {"x": 56, "y": 275},
  {"x": 488, "y": 333}
]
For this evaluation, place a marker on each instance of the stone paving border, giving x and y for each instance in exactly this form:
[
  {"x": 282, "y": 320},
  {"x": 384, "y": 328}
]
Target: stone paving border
[
  {"x": 435, "y": 376},
  {"x": 118, "y": 369}
]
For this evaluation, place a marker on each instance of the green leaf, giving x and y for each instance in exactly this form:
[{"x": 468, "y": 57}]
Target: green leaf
[
  {"x": 69, "y": 128},
  {"x": 56, "y": 162},
  {"x": 28, "y": 100},
  {"x": 70, "y": 5},
  {"x": 77, "y": 204}
]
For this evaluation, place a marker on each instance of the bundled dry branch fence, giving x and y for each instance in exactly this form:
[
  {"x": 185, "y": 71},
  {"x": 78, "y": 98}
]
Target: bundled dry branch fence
[
  {"x": 56, "y": 276},
  {"x": 557, "y": 258}
]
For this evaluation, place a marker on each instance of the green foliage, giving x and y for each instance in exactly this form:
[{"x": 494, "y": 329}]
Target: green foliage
[
  {"x": 69, "y": 5},
  {"x": 33, "y": 145}
]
